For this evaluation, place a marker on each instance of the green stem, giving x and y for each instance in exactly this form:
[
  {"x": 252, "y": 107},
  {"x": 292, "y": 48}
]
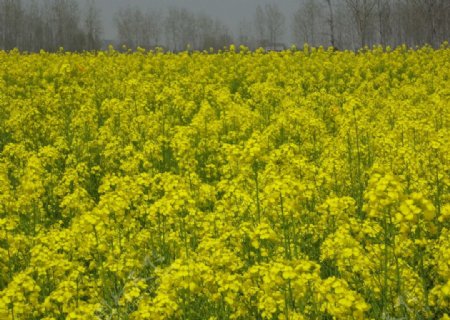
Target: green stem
[{"x": 258, "y": 205}]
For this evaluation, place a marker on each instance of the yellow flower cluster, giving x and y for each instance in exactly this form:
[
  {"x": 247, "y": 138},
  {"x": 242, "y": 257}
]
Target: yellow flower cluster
[{"x": 306, "y": 184}]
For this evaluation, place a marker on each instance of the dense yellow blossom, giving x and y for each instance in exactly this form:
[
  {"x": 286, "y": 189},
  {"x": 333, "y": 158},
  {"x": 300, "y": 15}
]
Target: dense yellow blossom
[{"x": 308, "y": 184}]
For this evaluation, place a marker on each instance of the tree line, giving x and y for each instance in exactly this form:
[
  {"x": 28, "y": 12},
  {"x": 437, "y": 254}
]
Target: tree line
[
  {"x": 32, "y": 25},
  {"x": 358, "y": 23},
  {"x": 177, "y": 29},
  {"x": 49, "y": 24}
]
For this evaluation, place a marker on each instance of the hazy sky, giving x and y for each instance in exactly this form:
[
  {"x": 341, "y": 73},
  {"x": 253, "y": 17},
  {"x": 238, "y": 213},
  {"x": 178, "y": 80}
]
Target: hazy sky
[{"x": 229, "y": 11}]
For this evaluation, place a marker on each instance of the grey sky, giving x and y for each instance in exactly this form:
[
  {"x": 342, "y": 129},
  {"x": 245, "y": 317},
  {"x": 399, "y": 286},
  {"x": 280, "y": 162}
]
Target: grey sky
[{"x": 229, "y": 11}]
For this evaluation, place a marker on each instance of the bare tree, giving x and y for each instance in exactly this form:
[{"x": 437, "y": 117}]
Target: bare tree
[
  {"x": 434, "y": 15},
  {"x": 63, "y": 25},
  {"x": 362, "y": 11},
  {"x": 331, "y": 23},
  {"x": 11, "y": 22},
  {"x": 152, "y": 28},
  {"x": 33, "y": 35},
  {"x": 136, "y": 28},
  {"x": 383, "y": 9},
  {"x": 403, "y": 23},
  {"x": 246, "y": 34},
  {"x": 275, "y": 23},
  {"x": 269, "y": 24},
  {"x": 172, "y": 28},
  {"x": 210, "y": 33},
  {"x": 223, "y": 37},
  {"x": 307, "y": 21},
  {"x": 261, "y": 25},
  {"x": 189, "y": 32},
  {"x": 417, "y": 22},
  {"x": 180, "y": 28},
  {"x": 431, "y": 8},
  {"x": 46, "y": 24},
  {"x": 92, "y": 26},
  {"x": 125, "y": 20},
  {"x": 204, "y": 28}
]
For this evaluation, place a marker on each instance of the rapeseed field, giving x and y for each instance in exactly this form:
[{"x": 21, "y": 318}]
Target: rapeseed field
[{"x": 304, "y": 184}]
